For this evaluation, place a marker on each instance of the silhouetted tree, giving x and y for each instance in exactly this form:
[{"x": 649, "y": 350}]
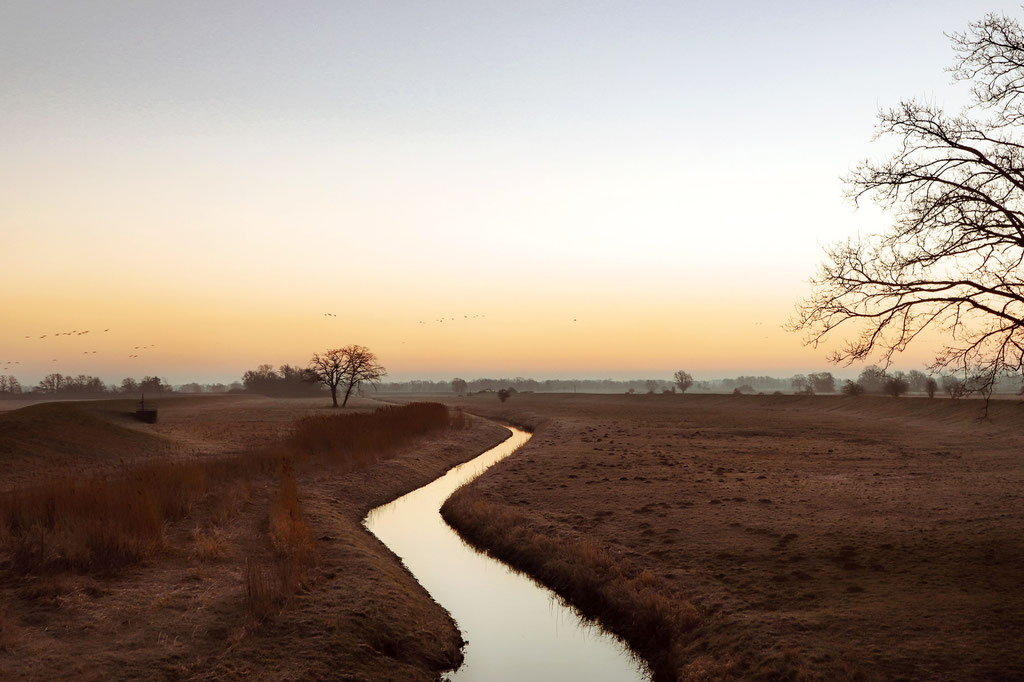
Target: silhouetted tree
[
  {"x": 651, "y": 385},
  {"x": 953, "y": 386},
  {"x": 683, "y": 380},
  {"x": 503, "y": 394},
  {"x": 153, "y": 385},
  {"x": 852, "y": 388},
  {"x": 952, "y": 260},
  {"x": 801, "y": 384},
  {"x": 872, "y": 379},
  {"x": 261, "y": 379},
  {"x": 459, "y": 385},
  {"x": 896, "y": 386},
  {"x": 9, "y": 385},
  {"x": 345, "y": 368},
  {"x": 129, "y": 385},
  {"x": 822, "y": 382},
  {"x": 51, "y": 383},
  {"x": 918, "y": 380},
  {"x": 930, "y": 386}
]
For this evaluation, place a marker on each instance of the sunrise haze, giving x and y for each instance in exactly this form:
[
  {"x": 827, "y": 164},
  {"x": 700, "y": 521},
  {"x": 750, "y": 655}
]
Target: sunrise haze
[{"x": 593, "y": 189}]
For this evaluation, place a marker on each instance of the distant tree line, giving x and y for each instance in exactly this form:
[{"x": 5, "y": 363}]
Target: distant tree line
[
  {"x": 525, "y": 385},
  {"x": 286, "y": 381},
  {"x": 874, "y": 379},
  {"x": 9, "y": 386},
  {"x": 85, "y": 385},
  {"x": 56, "y": 385}
]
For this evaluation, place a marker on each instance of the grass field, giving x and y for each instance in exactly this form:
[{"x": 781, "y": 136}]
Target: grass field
[
  {"x": 223, "y": 542},
  {"x": 724, "y": 537},
  {"x": 771, "y": 537}
]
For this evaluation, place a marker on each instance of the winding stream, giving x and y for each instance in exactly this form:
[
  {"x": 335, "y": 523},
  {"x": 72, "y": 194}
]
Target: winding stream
[{"x": 516, "y": 629}]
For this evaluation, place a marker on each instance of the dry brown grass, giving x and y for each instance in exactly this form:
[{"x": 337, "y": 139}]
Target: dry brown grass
[
  {"x": 8, "y": 633},
  {"x": 632, "y": 603},
  {"x": 96, "y": 523},
  {"x": 208, "y": 544},
  {"x": 290, "y": 537},
  {"x": 820, "y": 537},
  {"x": 184, "y": 612},
  {"x": 356, "y": 440},
  {"x": 107, "y": 522},
  {"x": 262, "y": 589}
]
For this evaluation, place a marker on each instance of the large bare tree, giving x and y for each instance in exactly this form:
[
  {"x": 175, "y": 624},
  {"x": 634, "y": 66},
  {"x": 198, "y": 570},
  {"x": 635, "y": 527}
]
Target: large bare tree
[
  {"x": 952, "y": 259},
  {"x": 345, "y": 368}
]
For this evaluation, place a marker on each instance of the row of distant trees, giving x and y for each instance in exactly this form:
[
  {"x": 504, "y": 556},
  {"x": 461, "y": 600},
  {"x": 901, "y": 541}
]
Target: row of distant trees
[
  {"x": 874, "y": 379},
  {"x": 285, "y": 381},
  {"x": 84, "y": 385}
]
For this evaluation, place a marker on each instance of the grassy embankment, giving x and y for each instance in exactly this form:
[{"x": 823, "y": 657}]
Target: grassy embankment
[
  {"x": 102, "y": 523},
  {"x": 769, "y": 537},
  {"x": 135, "y": 527}
]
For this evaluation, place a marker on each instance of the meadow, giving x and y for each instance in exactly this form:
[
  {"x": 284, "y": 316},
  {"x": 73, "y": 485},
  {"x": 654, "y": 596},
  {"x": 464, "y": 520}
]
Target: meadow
[
  {"x": 724, "y": 537},
  {"x": 770, "y": 537},
  {"x": 224, "y": 541}
]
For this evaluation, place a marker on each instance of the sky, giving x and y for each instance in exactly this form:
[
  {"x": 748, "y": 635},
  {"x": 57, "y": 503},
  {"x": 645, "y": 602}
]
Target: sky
[{"x": 587, "y": 189}]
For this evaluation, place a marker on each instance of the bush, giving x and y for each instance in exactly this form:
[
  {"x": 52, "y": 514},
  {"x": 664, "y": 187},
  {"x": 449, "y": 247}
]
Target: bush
[
  {"x": 896, "y": 386},
  {"x": 852, "y": 388}
]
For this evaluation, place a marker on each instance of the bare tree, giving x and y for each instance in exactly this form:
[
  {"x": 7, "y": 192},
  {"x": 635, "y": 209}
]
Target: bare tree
[
  {"x": 852, "y": 388},
  {"x": 329, "y": 369},
  {"x": 346, "y": 368},
  {"x": 822, "y": 382},
  {"x": 683, "y": 380},
  {"x": 51, "y": 383},
  {"x": 801, "y": 384},
  {"x": 896, "y": 386},
  {"x": 459, "y": 385},
  {"x": 952, "y": 260},
  {"x": 9, "y": 384}
]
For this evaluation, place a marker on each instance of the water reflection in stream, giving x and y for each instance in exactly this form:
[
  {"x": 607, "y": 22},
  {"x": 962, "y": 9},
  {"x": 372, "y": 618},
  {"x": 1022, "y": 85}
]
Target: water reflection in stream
[{"x": 516, "y": 629}]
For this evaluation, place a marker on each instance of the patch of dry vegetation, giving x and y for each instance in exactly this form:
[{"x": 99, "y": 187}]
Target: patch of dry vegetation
[
  {"x": 818, "y": 537},
  {"x": 241, "y": 565},
  {"x": 357, "y": 440},
  {"x": 107, "y": 522},
  {"x": 632, "y": 603},
  {"x": 49, "y": 438}
]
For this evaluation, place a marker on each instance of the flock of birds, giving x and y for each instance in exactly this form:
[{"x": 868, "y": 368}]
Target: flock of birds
[
  {"x": 452, "y": 319},
  {"x": 10, "y": 364}
]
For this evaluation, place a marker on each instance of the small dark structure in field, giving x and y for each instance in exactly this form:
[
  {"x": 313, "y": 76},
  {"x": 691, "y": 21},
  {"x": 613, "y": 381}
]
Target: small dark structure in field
[{"x": 144, "y": 414}]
